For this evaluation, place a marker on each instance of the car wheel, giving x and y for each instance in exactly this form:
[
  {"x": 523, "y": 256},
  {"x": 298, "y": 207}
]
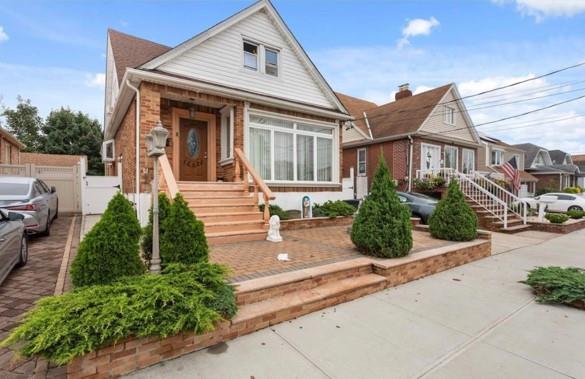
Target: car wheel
[
  {"x": 575, "y": 208},
  {"x": 47, "y": 231},
  {"x": 23, "y": 258}
]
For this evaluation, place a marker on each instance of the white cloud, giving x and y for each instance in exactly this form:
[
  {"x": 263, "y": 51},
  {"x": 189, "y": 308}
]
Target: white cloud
[
  {"x": 3, "y": 35},
  {"x": 417, "y": 27},
  {"x": 96, "y": 80},
  {"x": 547, "y": 8}
]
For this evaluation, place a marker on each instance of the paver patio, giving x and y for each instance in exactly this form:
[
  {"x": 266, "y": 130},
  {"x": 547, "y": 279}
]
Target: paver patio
[
  {"x": 26, "y": 285},
  {"x": 305, "y": 248}
]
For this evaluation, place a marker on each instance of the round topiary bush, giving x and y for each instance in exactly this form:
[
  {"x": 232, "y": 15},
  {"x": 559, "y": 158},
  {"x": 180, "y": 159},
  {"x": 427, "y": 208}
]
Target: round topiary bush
[
  {"x": 164, "y": 208},
  {"x": 382, "y": 226},
  {"x": 576, "y": 214},
  {"x": 453, "y": 219},
  {"x": 556, "y": 218},
  {"x": 183, "y": 240},
  {"x": 110, "y": 249}
]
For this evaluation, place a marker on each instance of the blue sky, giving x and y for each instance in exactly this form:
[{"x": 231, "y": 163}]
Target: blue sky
[{"x": 53, "y": 51}]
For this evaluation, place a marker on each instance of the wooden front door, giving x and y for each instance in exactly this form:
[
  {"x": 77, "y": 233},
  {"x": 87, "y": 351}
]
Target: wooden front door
[{"x": 193, "y": 152}]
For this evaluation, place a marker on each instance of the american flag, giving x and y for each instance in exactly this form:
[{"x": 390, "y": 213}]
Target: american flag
[{"x": 511, "y": 172}]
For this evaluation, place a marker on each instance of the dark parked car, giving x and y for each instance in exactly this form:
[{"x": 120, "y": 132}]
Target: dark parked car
[
  {"x": 420, "y": 205},
  {"x": 13, "y": 242}
]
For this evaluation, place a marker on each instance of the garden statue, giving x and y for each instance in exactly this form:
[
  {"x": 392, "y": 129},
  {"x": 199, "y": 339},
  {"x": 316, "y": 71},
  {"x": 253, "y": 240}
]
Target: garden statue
[
  {"x": 274, "y": 229},
  {"x": 307, "y": 207}
]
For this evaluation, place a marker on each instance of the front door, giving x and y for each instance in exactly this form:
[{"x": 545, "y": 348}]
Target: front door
[{"x": 193, "y": 150}]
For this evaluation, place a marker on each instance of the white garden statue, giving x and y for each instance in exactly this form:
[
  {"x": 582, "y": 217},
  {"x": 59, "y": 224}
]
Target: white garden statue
[{"x": 274, "y": 230}]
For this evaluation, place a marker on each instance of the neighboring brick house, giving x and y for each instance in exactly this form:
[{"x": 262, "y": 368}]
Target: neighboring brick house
[
  {"x": 579, "y": 161},
  {"x": 494, "y": 153},
  {"x": 417, "y": 134},
  {"x": 61, "y": 160},
  {"x": 245, "y": 83},
  {"x": 554, "y": 175},
  {"x": 10, "y": 148}
]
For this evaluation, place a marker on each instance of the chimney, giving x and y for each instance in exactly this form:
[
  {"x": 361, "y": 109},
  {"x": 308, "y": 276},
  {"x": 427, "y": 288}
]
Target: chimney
[{"x": 403, "y": 92}]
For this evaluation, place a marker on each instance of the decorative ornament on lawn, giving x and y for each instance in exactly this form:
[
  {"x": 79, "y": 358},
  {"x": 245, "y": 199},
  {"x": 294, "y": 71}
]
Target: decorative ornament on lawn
[{"x": 274, "y": 230}]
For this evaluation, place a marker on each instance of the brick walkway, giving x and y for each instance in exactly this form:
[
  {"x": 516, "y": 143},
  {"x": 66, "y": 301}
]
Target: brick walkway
[
  {"x": 305, "y": 248},
  {"x": 26, "y": 285}
]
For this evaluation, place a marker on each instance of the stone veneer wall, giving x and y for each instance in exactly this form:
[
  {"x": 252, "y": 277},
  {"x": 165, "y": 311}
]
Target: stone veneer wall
[{"x": 557, "y": 228}]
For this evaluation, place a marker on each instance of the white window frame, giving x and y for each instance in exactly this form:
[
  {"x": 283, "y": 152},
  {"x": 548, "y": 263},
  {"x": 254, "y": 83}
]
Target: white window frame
[
  {"x": 365, "y": 151},
  {"x": 105, "y": 145},
  {"x": 449, "y": 115},
  {"x": 265, "y": 63},
  {"x": 463, "y": 151},
  {"x": 423, "y": 158},
  {"x": 502, "y": 157},
  {"x": 518, "y": 161},
  {"x": 456, "y": 156},
  {"x": 226, "y": 113},
  {"x": 244, "y": 52},
  {"x": 334, "y": 136}
]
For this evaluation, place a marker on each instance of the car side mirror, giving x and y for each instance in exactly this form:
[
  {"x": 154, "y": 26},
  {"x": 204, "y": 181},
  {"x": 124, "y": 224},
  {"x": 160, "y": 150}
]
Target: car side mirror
[
  {"x": 53, "y": 189},
  {"x": 13, "y": 216}
]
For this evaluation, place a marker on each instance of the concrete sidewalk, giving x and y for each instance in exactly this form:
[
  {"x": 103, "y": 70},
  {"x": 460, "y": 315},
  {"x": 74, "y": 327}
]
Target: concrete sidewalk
[{"x": 474, "y": 321}]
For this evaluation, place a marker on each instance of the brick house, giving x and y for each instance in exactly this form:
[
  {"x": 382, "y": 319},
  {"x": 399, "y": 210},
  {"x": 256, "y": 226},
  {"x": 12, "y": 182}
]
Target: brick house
[
  {"x": 579, "y": 161},
  {"x": 10, "y": 148},
  {"x": 417, "y": 134},
  {"x": 245, "y": 84},
  {"x": 553, "y": 175},
  {"x": 493, "y": 153}
]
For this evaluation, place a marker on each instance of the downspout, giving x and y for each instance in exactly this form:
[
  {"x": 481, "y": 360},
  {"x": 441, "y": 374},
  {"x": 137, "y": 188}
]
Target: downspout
[
  {"x": 410, "y": 154},
  {"x": 137, "y": 185}
]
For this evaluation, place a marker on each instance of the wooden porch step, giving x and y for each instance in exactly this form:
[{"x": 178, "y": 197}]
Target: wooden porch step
[
  {"x": 237, "y": 236},
  {"x": 210, "y": 186},
  {"x": 222, "y": 201},
  {"x": 232, "y": 226},
  {"x": 215, "y": 194},
  {"x": 230, "y": 216},
  {"x": 222, "y": 208}
]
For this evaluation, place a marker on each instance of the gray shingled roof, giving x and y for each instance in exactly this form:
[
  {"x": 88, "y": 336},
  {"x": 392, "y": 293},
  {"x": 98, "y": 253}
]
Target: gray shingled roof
[
  {"x": 557, "y": 156},
  {"x": 531, "y": 151}
]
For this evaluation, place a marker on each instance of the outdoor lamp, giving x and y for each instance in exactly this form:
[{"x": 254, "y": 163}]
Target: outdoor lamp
[{"x": 157, "y": 140}]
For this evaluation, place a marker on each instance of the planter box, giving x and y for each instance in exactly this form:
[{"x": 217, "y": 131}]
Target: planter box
[{"x": 567, "y": 227}]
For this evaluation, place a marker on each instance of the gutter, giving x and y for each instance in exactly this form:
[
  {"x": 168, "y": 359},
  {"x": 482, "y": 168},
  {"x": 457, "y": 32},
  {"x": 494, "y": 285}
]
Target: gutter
[
  {"x": 410, "y": 166},
  {"x": 137, "y": 198}
]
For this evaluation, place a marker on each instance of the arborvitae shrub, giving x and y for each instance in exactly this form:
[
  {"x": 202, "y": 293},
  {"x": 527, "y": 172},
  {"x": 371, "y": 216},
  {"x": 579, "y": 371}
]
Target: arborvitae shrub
[
  {"x": 556, "y": 218},
  {"x": 164, "y": 208},
  {"x": 382, "y": 226},
  {"x": 110, "y": 249},
  {"x": 453, "y": 219},
  {"x": 183, "y": 240}
]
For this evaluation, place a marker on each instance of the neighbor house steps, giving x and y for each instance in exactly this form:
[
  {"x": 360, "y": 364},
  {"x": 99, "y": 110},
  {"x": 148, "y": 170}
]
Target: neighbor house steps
[
  {"x": 487, "y": 220},
  {"x": 229, "y": 213}
]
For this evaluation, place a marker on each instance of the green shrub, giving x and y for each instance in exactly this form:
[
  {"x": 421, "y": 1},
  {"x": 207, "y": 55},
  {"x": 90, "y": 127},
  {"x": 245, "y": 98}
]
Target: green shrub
[
  {"x": 183, "y": 240},
  {"x": 453, "y": 219},
  {"x": 382, "y": 226},
  {"x": 110, "y": 249},
  {"x": 429, "y": 183},
  {"x": 558, "y": 285},
  {"x": 333, "y": 209},
  {"x": 164, "y": 208},
  {"x": 576, "y": 214},
  {"x": 556, "y": 218},
  {"x": 60, "y": 328},
  {"x": 275, "y": 210},
  {"x": 576, "y": 189},
  {"x": 542, "y": 191}
]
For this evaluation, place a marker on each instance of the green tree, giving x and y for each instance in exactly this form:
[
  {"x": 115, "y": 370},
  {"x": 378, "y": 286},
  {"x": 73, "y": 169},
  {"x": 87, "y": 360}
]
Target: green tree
[
  {"x": 110, "y": 250},
  {"x": 382, "y": 227},
  {"x": 69, "y": 132},
  {"x": 453, "y": 219},
  {"x": 183, "y": 240},
  {"x": 25, "y": 123}
]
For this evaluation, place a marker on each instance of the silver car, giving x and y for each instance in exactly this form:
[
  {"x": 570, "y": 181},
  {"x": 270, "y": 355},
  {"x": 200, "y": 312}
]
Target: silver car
[
  {"x": 13, "y": 242},
  {"x": 31, "y": 197}
]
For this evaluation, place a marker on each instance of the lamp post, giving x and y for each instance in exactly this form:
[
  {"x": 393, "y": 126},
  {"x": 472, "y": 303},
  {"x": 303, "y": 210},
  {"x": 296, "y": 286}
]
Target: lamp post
[{"x": 156, "y": 141}]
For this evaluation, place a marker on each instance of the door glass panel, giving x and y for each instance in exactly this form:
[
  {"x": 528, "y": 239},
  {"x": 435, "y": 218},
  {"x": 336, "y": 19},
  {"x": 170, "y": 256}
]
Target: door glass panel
[
  {"x": 305, "y": 157},
  {"x": 324, "y": 159},
  {"x": 260, "y": 152},
  {"x": 283, "y": 156}
]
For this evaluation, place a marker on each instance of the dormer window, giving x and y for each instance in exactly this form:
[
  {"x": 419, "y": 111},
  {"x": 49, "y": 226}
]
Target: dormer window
[
  {"x": 497, "y": 157},
  {"x": 271, "y": 66},
  {"x": 250, "y": 55}
]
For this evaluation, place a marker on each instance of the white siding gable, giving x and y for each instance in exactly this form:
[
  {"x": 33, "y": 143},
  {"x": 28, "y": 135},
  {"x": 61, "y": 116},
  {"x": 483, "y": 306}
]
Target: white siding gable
[
  {"x": 352, "y": 135},
  {"x": 435, "y": 122},
  {"x": 219, "y": 60}
]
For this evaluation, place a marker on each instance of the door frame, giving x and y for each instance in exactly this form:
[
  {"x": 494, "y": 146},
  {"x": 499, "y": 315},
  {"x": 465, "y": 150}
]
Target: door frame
[{"x": 178, "y": 114}]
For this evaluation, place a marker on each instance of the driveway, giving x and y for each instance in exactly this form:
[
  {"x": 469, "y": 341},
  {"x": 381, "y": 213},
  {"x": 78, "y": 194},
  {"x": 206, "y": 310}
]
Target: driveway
[
  {"x": 26, "y": 285},
  {"x": 474, "y": 321}
]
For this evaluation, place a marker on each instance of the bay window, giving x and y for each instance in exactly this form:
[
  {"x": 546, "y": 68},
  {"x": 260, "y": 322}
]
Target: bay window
[{"x": 286, "y": 150}]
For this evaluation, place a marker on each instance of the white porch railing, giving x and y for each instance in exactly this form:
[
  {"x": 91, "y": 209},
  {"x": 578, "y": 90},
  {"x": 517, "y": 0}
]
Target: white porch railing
[{"x": 492, "y": 197}]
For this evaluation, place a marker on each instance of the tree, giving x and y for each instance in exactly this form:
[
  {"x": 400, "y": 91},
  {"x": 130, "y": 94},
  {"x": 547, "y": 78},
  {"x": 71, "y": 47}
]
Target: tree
[
  {"x": 25, "y": 123},
  {"x": 69, "y": 132},
  {"x": 382, "y": 227},
  {"x": 453, "y": 219},
  {"x": 110, "y": 250}
]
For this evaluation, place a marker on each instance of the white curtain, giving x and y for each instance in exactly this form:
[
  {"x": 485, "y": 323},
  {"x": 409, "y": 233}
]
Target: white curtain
[
  {"x": 260, "y": 152},
  {"x": 283, "y": 156},
  {"x": 324, "y": 159},
  {"x": 305, "y": 157}
]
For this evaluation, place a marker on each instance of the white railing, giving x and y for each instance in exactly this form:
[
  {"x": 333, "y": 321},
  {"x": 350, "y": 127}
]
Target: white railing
[
  {"x": 434, "y": 172},
  {"x": 514, "y": 204}
]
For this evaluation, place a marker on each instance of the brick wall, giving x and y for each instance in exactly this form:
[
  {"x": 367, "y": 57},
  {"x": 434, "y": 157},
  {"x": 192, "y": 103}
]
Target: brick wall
[
  {"x": 568, "y": 227},
  {"x": 124, "y": 147},
  {"x": 9, "y": 152},
  {"x": 62, "y": 160},
  {"x": 548, "y": 181}
]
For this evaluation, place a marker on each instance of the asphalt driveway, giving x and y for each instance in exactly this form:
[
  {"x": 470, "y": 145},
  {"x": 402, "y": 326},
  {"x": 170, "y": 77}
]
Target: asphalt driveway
[{"x": 474, "y": 321}]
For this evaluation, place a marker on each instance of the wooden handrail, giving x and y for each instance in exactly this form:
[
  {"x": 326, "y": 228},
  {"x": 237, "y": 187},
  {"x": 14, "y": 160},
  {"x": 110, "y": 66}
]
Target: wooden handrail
[
  {"x": 240, "y": 158},
  {"x": 167, "y": 175}
]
